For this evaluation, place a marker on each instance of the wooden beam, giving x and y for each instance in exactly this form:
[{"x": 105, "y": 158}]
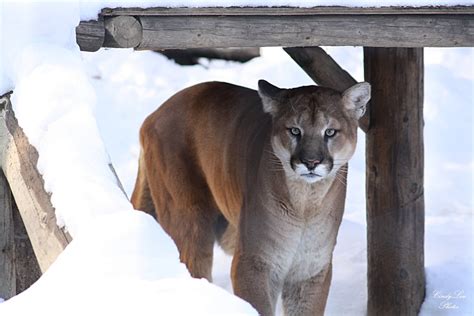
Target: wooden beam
[
  {"x": 192, "y": 56},
  {"x": 288, "y": 11},
  {"x": 26, "y": 265},
  {"x": 325, "y": 72},
  {"x": 181, "y": 28},
  {"x": 18, "y": 160},
  {"x": 165, "y": 32},
  {"x": 90, "y": 35},
  {"x": 7, "y": 244},
  {"x": 122, "y": 32},
  {"x": 394, "y": 168}
]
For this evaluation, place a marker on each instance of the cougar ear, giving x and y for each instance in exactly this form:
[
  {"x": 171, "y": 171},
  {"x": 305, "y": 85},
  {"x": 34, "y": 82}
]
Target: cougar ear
[
  {"x": 356, "y": 97},
  {"x": 270, "y": 96}
]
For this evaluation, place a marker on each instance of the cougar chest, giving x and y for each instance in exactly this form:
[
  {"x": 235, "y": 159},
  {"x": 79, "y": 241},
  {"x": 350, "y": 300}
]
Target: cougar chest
[
  {"x": 317, "y": 231},
  {"x": 307, "y": 200}
]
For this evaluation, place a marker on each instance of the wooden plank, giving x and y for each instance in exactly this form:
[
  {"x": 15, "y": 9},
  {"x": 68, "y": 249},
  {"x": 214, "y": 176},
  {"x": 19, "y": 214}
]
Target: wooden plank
[
  {"x": 288, "y": 11},
  {"x": 325, "y": 72},
  {"x": 122, "y": 32},
  {"x": 90, "y": 35},
  {"x": 7, "y": 245},
  {"x": 394, "y": 169},
  {"x": 18, "y": 160},
  {"x": 179, "y": 32},
  {"x": 26, "y": 266}
]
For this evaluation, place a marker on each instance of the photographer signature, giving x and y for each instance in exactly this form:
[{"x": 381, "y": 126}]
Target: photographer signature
[{"x": 448, "y": 299}]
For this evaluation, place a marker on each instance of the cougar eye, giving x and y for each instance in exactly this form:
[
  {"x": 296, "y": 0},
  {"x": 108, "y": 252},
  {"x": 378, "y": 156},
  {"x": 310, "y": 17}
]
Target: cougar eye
[
  {"x": 295, "y": 131},
  {"x": 330, "y": 132}
]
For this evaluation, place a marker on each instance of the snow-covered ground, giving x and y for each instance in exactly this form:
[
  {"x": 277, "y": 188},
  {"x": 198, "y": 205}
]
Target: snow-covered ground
[
  {"x": 83, "y": 110},
  {"x": 133, "y": 84}
]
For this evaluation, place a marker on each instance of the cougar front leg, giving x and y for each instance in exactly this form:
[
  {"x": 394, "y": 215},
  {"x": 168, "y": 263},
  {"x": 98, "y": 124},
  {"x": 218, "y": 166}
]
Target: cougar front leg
[
  {"x": 307, "y": 297},
  {"x": 254, "y": 281}
]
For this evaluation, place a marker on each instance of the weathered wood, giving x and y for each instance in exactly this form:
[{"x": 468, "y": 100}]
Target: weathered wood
[
  {"x": 90, "y": 35},
  {"x": 395, "y": 200},
  {"x": 26, "y": 266},
  {"x": 18, "y": 160},
  {"x": 166, "y": 32},
  {"x": 182, "y": 28},
  {"x": 191, "y": 56},
  {"x": 324, "y": 71},
  {"x": 122, "y": 32},
  {"x": 268, "y": 11},
  {"x": 7, "y": 245}
]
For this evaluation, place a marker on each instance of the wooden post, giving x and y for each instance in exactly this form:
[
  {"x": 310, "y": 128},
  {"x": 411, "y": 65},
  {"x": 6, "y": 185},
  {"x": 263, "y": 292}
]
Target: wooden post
[
  {"x": 7, "y": 248},
  {"x": 394, "y": 169},
  {"x": 18, "y": 160},
  {"x": 26, "y": 265}
]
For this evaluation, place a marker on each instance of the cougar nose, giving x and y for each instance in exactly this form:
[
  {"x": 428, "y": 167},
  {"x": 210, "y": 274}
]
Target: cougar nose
[{"x": 311, "y": 164}]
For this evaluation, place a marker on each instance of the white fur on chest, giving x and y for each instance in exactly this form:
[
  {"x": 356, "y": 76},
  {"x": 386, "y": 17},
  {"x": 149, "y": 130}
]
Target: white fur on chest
[
  {"x": 314, "y": 250},
  {"x": 317, "y": 237}
]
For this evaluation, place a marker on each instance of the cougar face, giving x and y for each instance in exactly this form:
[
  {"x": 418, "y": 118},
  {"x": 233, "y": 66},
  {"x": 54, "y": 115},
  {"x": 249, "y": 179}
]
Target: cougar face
[{"x": 314, "y": 128}]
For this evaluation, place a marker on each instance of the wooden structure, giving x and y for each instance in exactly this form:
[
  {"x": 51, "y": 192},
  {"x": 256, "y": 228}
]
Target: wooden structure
[
  {"x": 18, "y": 160},
  {"x": 393, "y": 39},
  {"x": 30, "y": 238}
]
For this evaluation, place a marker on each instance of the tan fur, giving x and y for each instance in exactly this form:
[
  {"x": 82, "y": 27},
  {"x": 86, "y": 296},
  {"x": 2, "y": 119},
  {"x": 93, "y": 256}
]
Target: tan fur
[{"x": 218, "y": 163}]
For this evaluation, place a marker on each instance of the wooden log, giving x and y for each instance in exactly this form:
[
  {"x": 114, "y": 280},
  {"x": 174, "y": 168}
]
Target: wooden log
[
  {"x": 26, "y": 265},
  {"x": 122, "y": 32},
  {"x": 18, "y": 160},
  {"x": 192, "y": 56},
  {"x": 7, "y": 245},
  {"x": 289, "y": 11},
  {"x": 325, "y": 72},
  {"x": 179, "y": 32},
  {"x": 394, "y": 168},
  {"x": 90, "y": 35}
]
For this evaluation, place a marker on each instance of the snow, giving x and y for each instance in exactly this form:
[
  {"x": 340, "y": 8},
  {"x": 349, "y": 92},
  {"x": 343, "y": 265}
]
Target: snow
[
  {"x": 83, "y": 110},
  {"x": 120, "y": 258},
  {"x": 121, "y": 76},
  {"x": 124, "y": 265}
]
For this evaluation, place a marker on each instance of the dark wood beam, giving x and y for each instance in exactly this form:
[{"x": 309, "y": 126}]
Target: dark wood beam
[
  {"x": 192, "y": 56},
  {"x": 90, "y": 35},
  {"x": 325, "y": 72},
  {"x": 394, "y": 168},
  {"x": 26, "y": 265},
  {"x": 7, "y": 242}
]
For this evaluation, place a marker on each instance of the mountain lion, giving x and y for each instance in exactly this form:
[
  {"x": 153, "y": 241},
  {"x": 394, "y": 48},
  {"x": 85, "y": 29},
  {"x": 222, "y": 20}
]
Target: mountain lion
[{"x": 263, "y": 173}]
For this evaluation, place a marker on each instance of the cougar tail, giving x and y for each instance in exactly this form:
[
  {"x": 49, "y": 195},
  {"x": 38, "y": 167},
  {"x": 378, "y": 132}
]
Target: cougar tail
[
  {"x": 226, "y": 235},
  {"x": 141, "y": 196}
]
